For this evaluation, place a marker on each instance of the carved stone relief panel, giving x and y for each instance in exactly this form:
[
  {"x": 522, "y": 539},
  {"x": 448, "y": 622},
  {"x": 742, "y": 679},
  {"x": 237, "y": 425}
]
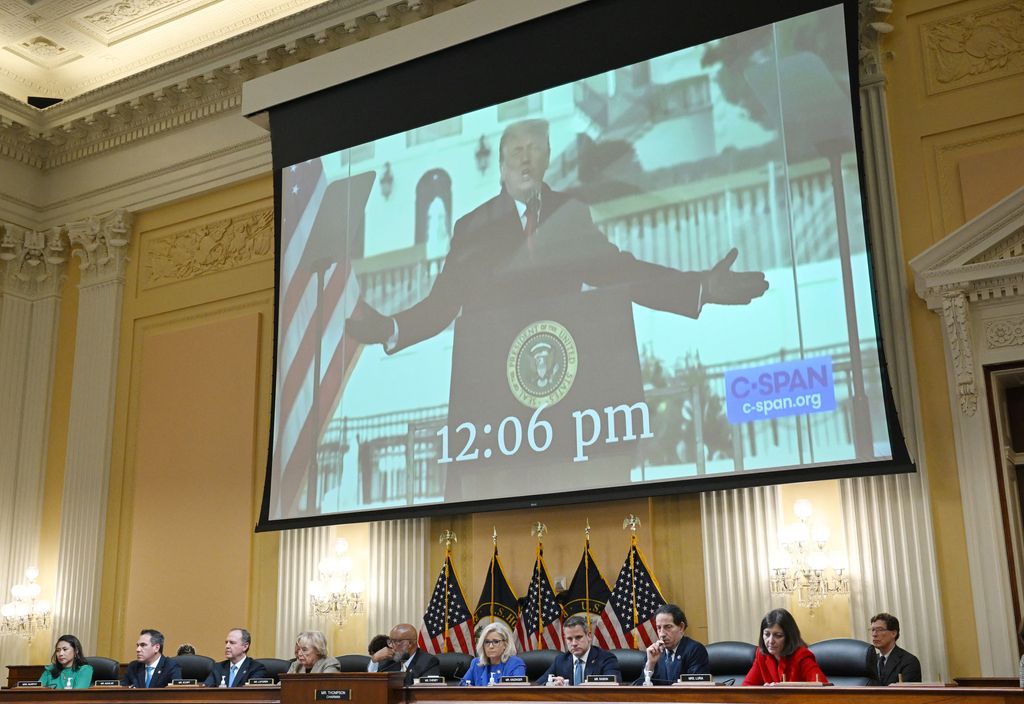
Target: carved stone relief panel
[
  {"x": 1005, "y": 332},
  {"x": 209, "y": 248},
  {"x": 974, "y": 47}
]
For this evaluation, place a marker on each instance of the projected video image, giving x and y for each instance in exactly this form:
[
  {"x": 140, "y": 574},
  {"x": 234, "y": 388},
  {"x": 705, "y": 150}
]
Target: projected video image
[{"x": 652, "y": 274}]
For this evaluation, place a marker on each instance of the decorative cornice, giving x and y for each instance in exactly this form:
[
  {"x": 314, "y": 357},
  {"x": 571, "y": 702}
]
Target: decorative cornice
[
  {"x": 957, "y": 326},
  {"x": 101, "y": 244},
  {"x": 872, "y": 16},
  {"x": 1005, "y": 332},
  {"x": 207, "y": 249},
  {"x": 71, "y": 131},
  {"x": 32, "y": 261}
]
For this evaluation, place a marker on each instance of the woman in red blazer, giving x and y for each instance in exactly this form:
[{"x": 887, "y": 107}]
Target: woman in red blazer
[{"x": 782, "y": 656}]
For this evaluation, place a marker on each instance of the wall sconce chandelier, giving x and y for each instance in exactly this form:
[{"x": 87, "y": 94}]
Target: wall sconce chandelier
[
  {"x": 483, "y": 155},
  {"x": 26, "y": 614},
  {"x": 334, "y": 593},
  {"x": 801, "y": 566},
  {"x": 387, "y": 181}
]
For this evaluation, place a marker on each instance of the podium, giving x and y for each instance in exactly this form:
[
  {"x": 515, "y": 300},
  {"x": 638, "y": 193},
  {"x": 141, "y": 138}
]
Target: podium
[{"x": 354, "y": 687}]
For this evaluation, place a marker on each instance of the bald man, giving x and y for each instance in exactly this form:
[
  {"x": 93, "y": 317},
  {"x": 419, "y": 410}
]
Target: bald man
[{"x": 406, "y": 656}]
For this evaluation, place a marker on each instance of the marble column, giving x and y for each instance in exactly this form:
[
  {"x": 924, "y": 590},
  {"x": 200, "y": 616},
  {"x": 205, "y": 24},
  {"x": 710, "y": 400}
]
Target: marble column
[
  {"x": 31, "y": 270},
  {"x": 101, "y": 245}
]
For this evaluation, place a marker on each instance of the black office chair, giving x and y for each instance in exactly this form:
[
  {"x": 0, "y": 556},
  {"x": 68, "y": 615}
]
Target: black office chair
[
  {"x": 844, "y": 661},
  {"x": 194, "y": 667},
  {"x": 104, "y": 668},
  {"x": 631, "y": 663},
  {"x": 454, "y": 665},
  {"x": 730, "y": 661},
  {"x": 275, "y": 667},
  {"x": 538, "y": 662},
  {"x": 353, "y": 663}
]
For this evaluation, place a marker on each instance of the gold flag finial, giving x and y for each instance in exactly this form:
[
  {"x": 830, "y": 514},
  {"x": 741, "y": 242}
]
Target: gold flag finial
[
  {"x": 494, "y": 534},
  {"x": 448, "y": 537},
  {"x": 586, "y": 531},
  {"x": 538, "y": 529},
  {"x": 631, "y": 522}
]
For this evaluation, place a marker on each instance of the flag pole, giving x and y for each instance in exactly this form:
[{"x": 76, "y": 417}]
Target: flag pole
[
  {"x": 539, "y": 529},
  {"x": 494, "y": 555},
  {"x": 586, "y": 573},
  {"x": 632, "y": 522},
  {"x": 447, "y": 537}
]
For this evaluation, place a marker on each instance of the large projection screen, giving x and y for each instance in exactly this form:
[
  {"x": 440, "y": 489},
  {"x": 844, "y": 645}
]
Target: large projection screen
[{"x": 531, "y": 270}]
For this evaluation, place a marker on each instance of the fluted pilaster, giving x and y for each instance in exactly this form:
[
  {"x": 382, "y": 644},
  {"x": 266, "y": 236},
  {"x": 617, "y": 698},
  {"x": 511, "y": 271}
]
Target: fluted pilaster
[
  {"x": 301, "y": 552},
  {"x": 739, "y": 527},
  {"x": 101, "y": 245},
  {"x": 32, "y": 268},
  {"x": 398, "y": 573}
]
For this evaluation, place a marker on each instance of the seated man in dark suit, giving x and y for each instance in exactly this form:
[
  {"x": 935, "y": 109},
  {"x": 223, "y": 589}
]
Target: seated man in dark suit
[
  {"x": 887, "y": 662},
  {"x": 151, "y": 668},
  {"x": 407, "y": 656},
  {"x": 582, "y": 659},
  {"x": 239, "y": 667},
  {"x": 674, "y": 653}
]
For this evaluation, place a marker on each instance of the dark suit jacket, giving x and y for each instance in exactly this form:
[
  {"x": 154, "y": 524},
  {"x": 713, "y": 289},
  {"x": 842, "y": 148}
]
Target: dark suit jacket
[
  {"x": 899, "y": 662},
  {"x": 166, "y": 670},
  {"x": 599, "y": 662},
  {"x": 248, "y": 668},
  {"x": 490, "y": 264},
  {"x": 691, "y": 659},
  {"x": 423, "y": 665}
]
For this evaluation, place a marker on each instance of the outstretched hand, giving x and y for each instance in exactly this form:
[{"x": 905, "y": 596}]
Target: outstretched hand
[
  {"x": 728, "y": 287},
  {"x": 368, "y": 326}
]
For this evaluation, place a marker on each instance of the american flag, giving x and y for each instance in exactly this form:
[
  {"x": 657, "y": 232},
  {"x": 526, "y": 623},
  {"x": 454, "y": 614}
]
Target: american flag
[
  {"x": 447, "y": 624},
  {"x": 315, "y": 254},
  {"x": 632, "y": 604},
  {"x": 540, "y": 621}
]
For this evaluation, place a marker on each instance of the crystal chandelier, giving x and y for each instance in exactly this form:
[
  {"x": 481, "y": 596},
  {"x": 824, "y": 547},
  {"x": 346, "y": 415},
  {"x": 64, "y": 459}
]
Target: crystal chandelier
[
  {"x": 801, "y": 565},
  {"x": 335, "y": 593},
  {"x": 26, "y": 614}
]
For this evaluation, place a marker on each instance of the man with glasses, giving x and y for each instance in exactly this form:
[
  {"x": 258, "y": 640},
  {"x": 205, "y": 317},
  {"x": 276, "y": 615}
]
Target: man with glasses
[
  {"x": 402, "y": 654},
  {"x": 887, "y": 662}
]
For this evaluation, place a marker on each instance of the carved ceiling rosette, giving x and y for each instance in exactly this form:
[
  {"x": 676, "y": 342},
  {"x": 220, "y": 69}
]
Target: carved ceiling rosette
[
  {"x": 32, "y": 261},
  {"x": 101, "y": 244}
]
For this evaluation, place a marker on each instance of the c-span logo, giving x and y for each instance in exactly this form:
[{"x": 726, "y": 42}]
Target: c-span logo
[{"x": 541, "y": 365}]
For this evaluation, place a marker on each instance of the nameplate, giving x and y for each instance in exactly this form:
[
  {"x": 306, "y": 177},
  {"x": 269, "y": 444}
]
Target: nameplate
[
  {"x": 601, "y": 679},
  {"x": 799, "y": 684},
  {"x": 107, "y": 683},
  {"x": 430, "y": 681},
  {"x": 260, "y": 681},
  {"x": 29, "y": 683},
  {"x": 514, "y": 680},
  {"x": 333, "y": 695},
  {"x": 184, "y": 682},
  {"x": 688, "y": 680}
]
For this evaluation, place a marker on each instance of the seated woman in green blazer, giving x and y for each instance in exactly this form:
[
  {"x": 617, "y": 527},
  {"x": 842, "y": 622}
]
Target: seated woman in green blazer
[{"x": 69, "y": 670}]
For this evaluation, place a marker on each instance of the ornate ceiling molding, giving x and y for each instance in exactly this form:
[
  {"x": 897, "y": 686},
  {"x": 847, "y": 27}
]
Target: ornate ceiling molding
[{"x": 97, "y": 123}]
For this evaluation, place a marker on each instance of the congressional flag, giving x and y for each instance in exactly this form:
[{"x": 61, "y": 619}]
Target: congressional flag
[
  {"x": 497, "y": 600},
  {"x": 447, "y": 624},
  {"x": 540, "y": 618},
  {"x": 630, "y": 609},
  {"x": 319, "y": 291},
  {"x": 588, "y": 592}
]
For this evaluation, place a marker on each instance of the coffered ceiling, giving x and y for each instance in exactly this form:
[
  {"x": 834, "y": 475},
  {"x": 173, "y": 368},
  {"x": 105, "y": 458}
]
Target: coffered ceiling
[{"x": 64, "y": 48}]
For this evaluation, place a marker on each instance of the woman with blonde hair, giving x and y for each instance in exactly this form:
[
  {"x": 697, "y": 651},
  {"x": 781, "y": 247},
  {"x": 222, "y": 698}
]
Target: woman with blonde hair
[
  {"x": 496, "y": 657},
  {"x": 311, "y": 654}
]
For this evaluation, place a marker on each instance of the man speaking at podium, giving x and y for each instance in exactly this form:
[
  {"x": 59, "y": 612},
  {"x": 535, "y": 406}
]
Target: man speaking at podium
[{"x": 530, "y": 242}]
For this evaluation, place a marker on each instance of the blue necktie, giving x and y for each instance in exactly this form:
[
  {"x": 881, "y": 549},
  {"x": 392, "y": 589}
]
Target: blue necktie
[
  {"x": 577, "y": 672},
  {"x": 149, "y": 674},
  {"x": 231, "y": 677}
]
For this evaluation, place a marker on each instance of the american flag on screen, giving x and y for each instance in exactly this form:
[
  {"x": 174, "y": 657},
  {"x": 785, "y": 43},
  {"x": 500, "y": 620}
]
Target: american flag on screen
[
  {"x": 447, "y": 624},
  {"x": 540, "y": 620},
  {"x": 631, "y": 606},
  {"x": 315, "y": 246}
]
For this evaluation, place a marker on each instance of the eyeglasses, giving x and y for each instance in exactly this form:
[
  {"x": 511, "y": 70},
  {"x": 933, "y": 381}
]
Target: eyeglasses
[
  {"x": 880, "y": 630},
  {"x": 493, "y": 642},
  {"x": 395, "y": 641}
]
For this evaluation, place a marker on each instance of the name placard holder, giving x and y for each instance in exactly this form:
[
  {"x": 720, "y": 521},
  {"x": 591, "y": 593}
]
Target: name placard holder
[
  {"x": 107, "y": 683},
  {"x": 29, "y": 683},
  {"x": 430, "y": 681},
  {"x": 184, "y": 682},
  {"x": 514, "y": 681},
  {"x": 688, "y": 680},
  {"x": 603, "y": 680},
  {"x": 260, "y": 682},
  {"x": 333, "y": 695}
]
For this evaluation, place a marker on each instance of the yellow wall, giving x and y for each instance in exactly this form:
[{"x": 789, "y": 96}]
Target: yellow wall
[
  {"x": 191, "y": 419},
  {"x": 956, "y": 113}
]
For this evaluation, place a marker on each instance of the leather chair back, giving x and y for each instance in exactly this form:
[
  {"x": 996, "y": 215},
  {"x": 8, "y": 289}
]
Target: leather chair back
[
  {"x": 631, "y": 663},
  {"x": 730, "y": 661},
  {"x": 537, "y": 662},
  {"x": 275, "y": 666},
  {"x": 354, "y": 663},
  {"x": 104, "y": 668},
  {"x": 844, "y": 661},
  {"x": 454, "y": 665},
  {"x": 194, "y": 667}
]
